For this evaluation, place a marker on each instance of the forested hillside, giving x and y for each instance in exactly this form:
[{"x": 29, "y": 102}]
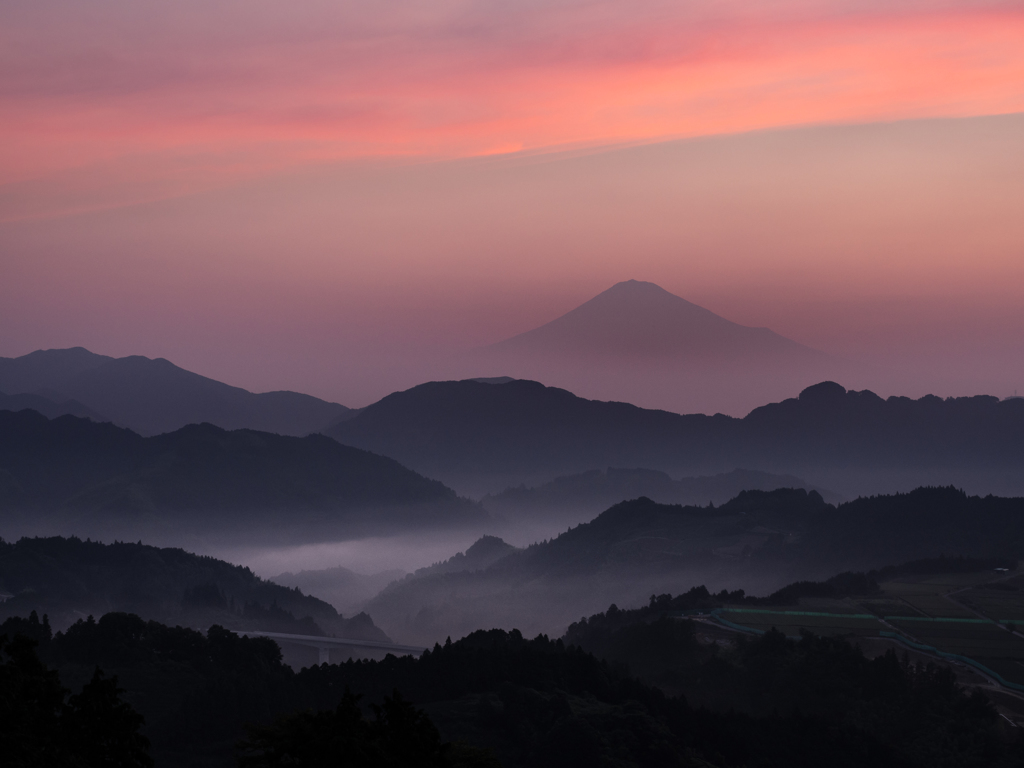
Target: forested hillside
[
  {"x": 69, "y": 579},
  {"x": 758, "y": 541},
  {"x": 540, "y": 702}
]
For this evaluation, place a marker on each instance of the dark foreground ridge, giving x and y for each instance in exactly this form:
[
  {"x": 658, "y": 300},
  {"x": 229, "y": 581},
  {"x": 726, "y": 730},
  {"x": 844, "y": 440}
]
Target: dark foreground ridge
[
  {"x": 495, "y": 698},
  {"x": 72, "y": 474}
]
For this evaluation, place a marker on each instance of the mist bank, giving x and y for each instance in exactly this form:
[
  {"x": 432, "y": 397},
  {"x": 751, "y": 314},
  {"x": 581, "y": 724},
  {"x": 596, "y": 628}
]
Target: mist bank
[
  {"x": 759, "y": 541},
  {"x": 342, "y": 587},
  {"x": 484, "y": 436},
  {"x": 71, "y": 475}
]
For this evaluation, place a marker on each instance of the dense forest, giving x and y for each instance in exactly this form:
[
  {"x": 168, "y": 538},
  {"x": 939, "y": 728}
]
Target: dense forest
[{"x": 497, "y": 698}]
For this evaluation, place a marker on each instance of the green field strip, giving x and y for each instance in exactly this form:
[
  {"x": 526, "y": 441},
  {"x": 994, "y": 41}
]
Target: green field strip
[
  {"x": 801, "y": 613},
  {"x": 1010, "y": 670},
  {"x": 956, "y": 656},
  {"x": 827, "y": 627},
  {"x": 945, "y": 619}
]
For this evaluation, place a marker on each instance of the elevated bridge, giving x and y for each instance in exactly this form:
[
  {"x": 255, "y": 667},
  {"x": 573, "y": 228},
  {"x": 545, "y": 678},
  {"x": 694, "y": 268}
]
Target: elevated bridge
[{"x": 325, "y": 644}]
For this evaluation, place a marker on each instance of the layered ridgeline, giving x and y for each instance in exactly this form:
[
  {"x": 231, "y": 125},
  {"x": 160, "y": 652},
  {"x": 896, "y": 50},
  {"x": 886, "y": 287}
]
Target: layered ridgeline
[
  {"x": 485, "y": 436},
  {"x": 71, "y": 475},
  {"x": 68, "y": 579},
  {"x": 573, "y": 499},
  {"x": 151, "y": 396},
  {"x": 759, "y": 541}
]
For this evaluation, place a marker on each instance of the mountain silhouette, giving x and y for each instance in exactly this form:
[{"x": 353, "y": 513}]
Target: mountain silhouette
[
  {"x": 49, "y": 408},
  {"x": 636, "y": 320},
  {"x": 639, "y": 343},
  {"x": 155, "y": 396},
  {"x": 483, "y": 438},
  {"x": 71, "y": 475}
]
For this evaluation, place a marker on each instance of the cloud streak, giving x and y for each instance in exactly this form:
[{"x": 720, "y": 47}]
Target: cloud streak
[{"x": 105, "y": 104}]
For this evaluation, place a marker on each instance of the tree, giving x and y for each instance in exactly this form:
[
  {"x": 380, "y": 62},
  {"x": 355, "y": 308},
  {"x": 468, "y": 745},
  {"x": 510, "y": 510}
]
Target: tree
[{"x": 39, "y": 729}]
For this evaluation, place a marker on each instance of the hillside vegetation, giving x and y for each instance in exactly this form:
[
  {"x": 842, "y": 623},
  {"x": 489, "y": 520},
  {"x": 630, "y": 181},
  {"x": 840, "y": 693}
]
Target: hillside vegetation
[
  {"x": 69, "y": 579},
  {"x": 759, "y": 541}
]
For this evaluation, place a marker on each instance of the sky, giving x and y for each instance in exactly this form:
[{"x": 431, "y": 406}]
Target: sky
[{"x": 338, "y": 197}]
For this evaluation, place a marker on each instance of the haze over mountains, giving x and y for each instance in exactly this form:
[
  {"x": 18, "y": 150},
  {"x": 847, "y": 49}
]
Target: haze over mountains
[
  {"x": 152, "y": 396},
  {"x": 758, "y": 541}
]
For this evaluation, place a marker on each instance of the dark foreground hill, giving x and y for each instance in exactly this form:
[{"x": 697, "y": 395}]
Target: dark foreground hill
[
  {"x": 482, "y": 437},
  {"x": 758, "y": 541},
  {"x": 154, "y": 396},
  {"x": 70, "y": 579},
  {"x": 508, "y": 701},
  {"x": 70, "y": 475}
]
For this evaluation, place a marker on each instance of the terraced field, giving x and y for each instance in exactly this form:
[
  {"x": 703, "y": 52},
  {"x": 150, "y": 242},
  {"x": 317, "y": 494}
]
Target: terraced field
[{"x": 968, "y": 615}]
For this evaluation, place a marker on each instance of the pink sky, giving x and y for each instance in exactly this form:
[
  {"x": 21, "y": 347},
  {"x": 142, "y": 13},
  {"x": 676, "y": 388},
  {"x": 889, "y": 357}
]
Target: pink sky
[{"x": 328, "y": 197}]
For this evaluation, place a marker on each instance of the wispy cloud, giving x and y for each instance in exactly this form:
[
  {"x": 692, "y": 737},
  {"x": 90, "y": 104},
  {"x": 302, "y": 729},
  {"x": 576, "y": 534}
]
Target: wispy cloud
[{"x": 191, "y": 94}]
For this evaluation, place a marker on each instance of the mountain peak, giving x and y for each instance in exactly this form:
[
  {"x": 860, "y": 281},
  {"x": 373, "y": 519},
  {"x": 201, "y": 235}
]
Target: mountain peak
[
  {"x": 637, "y": 286},
  {"x": 638, "y": 320}
]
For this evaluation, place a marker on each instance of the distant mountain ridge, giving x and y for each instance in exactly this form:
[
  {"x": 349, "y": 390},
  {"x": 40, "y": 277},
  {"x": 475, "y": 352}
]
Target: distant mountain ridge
[
  {"x": 70, "y": 475},
  {"x": 483, "y": 438},
  {"x": 638, "y": 320},
  {"x": 155, "y": 396},
  {"x": 639, "y": 343},
  {"x": 51, "y": 409}
]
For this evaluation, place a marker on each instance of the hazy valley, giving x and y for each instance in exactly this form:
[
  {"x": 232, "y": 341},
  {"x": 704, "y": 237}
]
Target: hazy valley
[{"x": 288, "y": 547}]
